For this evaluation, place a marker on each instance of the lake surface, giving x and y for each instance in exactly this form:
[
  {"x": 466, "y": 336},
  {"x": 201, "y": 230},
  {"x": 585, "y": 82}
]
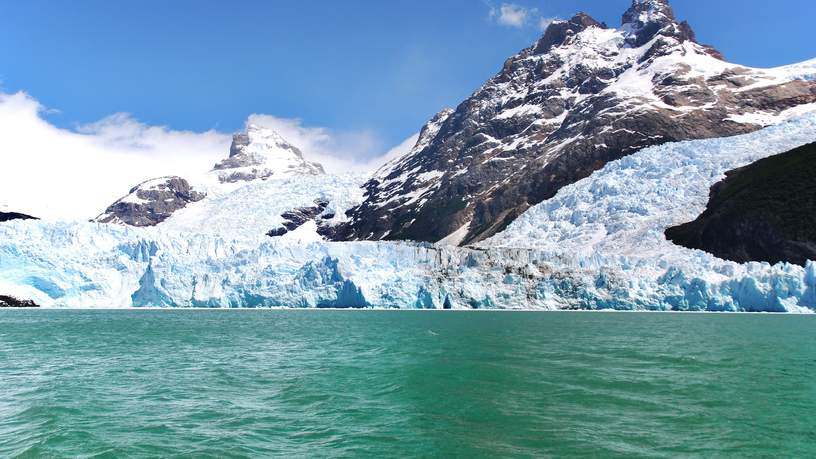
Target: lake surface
[{"x": 408, "y": 384}]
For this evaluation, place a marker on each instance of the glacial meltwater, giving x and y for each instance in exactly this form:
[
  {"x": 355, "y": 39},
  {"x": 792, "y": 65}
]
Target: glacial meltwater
[{"x": 408, "y": 384}]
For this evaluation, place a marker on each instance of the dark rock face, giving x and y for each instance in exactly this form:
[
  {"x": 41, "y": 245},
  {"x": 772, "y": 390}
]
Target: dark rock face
[
  {"x": 582, "y": 96},
  {"x": 8, "y": 216},
  {"x": 765, "y": 211},
  {"x": 239, "y": 142},
  {"x": 151, "y": 202},
  {"x": 295, "y": 218},
  {"x": 12, "y": 302}
]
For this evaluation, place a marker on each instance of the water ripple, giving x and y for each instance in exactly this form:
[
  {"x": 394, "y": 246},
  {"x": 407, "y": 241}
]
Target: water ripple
[{"x": 373, "y": 384}]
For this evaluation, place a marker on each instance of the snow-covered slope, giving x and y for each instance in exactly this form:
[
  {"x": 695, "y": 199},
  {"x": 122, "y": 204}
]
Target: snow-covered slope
[
  {"x": 802, "y": 71},
  {"x": 261, "y": 153},
  {"x": 597, "y": 244},
  {"x": 581, "y": 96},
  {"x": 253, "y": 208},
  {"x": 244, "y": 195}
]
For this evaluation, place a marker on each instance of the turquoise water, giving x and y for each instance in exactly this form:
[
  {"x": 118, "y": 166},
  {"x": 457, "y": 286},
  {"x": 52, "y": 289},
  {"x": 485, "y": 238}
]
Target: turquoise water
[{"x": 408, "y": 384}]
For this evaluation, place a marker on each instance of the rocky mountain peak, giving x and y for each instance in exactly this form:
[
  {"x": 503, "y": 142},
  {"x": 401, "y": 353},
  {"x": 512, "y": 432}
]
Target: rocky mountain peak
[
  {"x": 261, "y": 153},
  {"x": 648, "y": 10},
  {"x": 647, "y": 18},
  {"x": 559, "y": 31},
  {"x": 260, "y": 139},
  {"x": 239, "y": 142},
  {"x": 264, "y": 137},
  {"x": 8, "y": 216},
  {"x": 581, "y": 96},
  {"x": 431, "y": 128}
]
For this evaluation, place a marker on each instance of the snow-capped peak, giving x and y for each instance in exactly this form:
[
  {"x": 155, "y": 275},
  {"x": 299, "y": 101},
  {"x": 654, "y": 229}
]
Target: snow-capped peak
[
  {"x": 647, "y": 18},
  {"x": 558, "y": 32},
  {"x": 648, "y": 11},
  {"x": 260, "y": 139},
  {"x": 261, "y": 153},
  {"x": 582, "y": 95}
]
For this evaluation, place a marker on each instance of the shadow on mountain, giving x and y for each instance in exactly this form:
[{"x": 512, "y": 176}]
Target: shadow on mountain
[{"x": 765, "y": 211}]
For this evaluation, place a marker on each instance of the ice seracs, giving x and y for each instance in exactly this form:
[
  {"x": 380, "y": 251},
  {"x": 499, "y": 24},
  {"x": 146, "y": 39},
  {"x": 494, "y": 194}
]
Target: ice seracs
[
  {"x": 598, "y": 244},
  {"x": 256, "y": 208},
  {"x": 614, "y": 221}
]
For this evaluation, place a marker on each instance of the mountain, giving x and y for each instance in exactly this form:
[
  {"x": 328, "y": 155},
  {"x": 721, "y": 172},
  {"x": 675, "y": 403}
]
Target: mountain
[
  {"x": 561, "y": 176},
  {"x": 581, "y": 96},
  {"x": 765, "y": 211},
  {"x": 261, "y": 153},
  {"x": 248, "y": 192},
  {"x": 151, "y": 202}
]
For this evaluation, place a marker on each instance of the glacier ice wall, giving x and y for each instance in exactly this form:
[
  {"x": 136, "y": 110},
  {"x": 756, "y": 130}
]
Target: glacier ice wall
[
  {"x": 598, "y": 244},
  {"x": 96, "y": 265}
]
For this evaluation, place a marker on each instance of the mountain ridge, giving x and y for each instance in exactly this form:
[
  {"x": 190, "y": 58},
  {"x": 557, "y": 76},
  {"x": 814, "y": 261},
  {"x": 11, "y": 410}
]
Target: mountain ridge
[
  {"x": 581, "y": 96},
  {"x": 257, "y": 154}
]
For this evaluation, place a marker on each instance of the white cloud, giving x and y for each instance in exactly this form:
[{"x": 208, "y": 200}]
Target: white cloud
[
  {"x": 518, "y": 16},
  {"x": 62, "y": 174},
  {"x": 511, "y": 15},
  {"x": 56, "y": 173}
]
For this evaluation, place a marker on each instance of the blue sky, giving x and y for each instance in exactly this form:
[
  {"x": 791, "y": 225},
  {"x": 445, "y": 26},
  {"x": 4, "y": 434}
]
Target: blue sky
[{"x": 379, "y": 67}]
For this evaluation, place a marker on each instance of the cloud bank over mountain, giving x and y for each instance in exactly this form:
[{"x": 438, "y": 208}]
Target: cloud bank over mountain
[{"x": 59, "y": 173}]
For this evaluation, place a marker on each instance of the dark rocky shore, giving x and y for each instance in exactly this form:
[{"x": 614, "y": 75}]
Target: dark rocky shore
[{"x": 12, "y": 302}]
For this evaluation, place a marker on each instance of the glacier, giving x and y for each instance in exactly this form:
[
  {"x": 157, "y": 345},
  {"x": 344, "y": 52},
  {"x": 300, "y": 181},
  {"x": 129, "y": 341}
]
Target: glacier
[{"x": 597, "y": 244}]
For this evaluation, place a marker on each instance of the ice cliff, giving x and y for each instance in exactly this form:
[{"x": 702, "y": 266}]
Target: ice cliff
[{"x": 597, "y": 244}]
